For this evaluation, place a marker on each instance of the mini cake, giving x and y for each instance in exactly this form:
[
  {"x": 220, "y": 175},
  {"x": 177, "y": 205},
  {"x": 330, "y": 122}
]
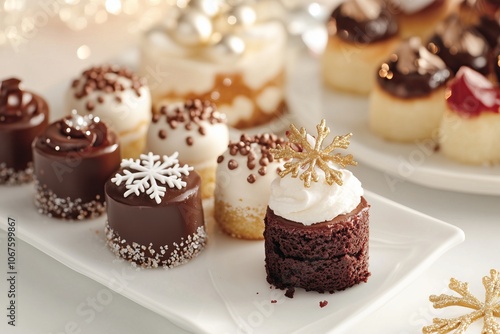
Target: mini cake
[
  {"x": 360, "y": 36},
  {"x": 317, "y": 224},
  {"x": 223, "y": 51},
  {"x": 120, "y": 98},
  {"x": 197, "y": 131},
  {"x": 243, "y": 176},
  {"x": 155, "y": 213},
  {"x": 407, "y": 103},
  {"x": 23, "y": 115},
  {"x": 72, "y": 159},
  {"x": 469, "y": 132},
  {"x": 420, "y": 18},
  {"x": 460, "y": 45},
  {"x": 489, "y": 20}
]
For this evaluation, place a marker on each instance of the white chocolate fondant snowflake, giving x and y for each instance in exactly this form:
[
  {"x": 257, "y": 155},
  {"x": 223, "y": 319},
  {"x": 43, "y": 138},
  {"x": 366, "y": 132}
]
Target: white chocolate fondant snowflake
[{"x": 145, "y": 175}]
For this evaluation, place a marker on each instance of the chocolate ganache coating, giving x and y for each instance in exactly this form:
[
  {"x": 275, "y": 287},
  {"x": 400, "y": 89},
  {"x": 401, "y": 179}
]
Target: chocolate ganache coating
[
  {"x": 412, "y": 71},
  {"x": 489, "y": 22},
  {"x": 156, "y": 234},
  {"x": 460, "y": 45},
  {"x": 362, "y": 22},
  {"x": 73, "y": 158},
  {"x": 23, "y": 115}
]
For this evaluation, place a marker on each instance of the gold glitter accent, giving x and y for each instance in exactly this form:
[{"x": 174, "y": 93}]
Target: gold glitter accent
[
  {"x": 489, "y": 309},
  {"x": 311, "y": 157}
]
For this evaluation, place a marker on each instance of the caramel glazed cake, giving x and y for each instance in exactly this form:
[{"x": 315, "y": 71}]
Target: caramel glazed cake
[
  {"x": 23, "y": 115},
  {"x": 155, "y": 213},
  {"x": 219, "y": 51},
  {"x": 316, "y": 233}
]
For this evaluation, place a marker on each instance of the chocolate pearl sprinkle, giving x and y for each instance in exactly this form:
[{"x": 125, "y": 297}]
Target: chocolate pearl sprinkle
[
  {"x": 262, "y": 170},
  {"x": 251, "y": 164},
  {"x": 251, "y": 178},
  {"x": 162, "y": 134},
  {"x": 189, "y": 141},
  {"x": 90, "y": 106},
  {"x": 100, "y": 99},
  {"x": 220, "y": 159},
  {"x": 232, "y": 164}
]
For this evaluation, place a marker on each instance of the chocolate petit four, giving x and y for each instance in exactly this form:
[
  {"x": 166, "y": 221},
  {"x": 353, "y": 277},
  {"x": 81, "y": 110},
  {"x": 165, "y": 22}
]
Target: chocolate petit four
[
  {"x": 317, "y": 222},
  {"x": 195, "y": 129},
  {"x": 72, "y": 159},
  {"x": 155, "y": 213},
  {"x": 120, "y": 98},
  {"x": 224, "y": 51},
  {"x": 459, "y": 44},
  {"x": 361, "y": 33},
  {"x": 469, "y": 132},
  {"x": 23, "y": 116},
  {"x": 407, "y": 103},
  {"x": 244, "y": 173}
]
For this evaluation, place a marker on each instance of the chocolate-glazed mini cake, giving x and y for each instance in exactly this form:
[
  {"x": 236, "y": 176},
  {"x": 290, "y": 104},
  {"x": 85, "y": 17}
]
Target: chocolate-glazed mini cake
[
  {"x": 317, "y": 223},
  {"x": 460, "y": 45},
  {"x": 469, "y": 132},
  {"x": 244, "y": 173},
  {"x": 73, "y": 158},
  {"x": 155, "y": 213},
  {"x": 228, "y": 52},
  {"x": 23, "y": 116},
  {"x": 120, "y": 98},
  {"x": 195, "y": 129},
  {"x": 360, "y": 35},
  {"x": 407, "y": 103}
]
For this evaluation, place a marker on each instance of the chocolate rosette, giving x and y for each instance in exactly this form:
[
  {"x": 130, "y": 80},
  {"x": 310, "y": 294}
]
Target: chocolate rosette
[
  {"x": 412, "y": 71},
  {"x": 76, "y": 133},
  {"x": 362, "y": 22},
  {"x": 460, "y": 45},
  {"x": 23, "y": 115}
]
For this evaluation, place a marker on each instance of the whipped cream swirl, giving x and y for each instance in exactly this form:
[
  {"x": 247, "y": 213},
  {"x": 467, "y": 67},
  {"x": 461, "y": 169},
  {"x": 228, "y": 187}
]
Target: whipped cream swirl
[{"x": 318, "y": 203}]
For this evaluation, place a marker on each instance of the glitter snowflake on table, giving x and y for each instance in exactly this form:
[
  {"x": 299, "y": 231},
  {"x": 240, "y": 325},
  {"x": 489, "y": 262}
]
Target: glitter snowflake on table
[
  {"x": 145, "y": 175},
  {"x": 307, "y": 158},
  {"x": 489, "y": 309}
]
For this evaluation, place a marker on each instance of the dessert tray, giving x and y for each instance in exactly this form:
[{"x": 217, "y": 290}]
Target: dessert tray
[
  {"x": 417, "y": 162},
  {"x": 224, "y": 290}
]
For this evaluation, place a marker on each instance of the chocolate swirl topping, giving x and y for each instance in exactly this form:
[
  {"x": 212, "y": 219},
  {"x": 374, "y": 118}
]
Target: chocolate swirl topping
[
  {"x": 362, "y": 21},
  {"x": 15, "y": 104},
  {"x": 76, "y": 133},
  {"x": 260, "y": 156},
  {"x": 106, "y": 79},
  {"x": 460, "y": 45},
  {"x": 190, "y": 115},
  {"x": 412, "y": 71}
]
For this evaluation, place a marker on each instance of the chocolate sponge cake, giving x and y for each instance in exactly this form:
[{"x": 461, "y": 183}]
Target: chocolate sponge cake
[
  {"x": 328, "y": 256},
  {"x": 317, "y": 221}
]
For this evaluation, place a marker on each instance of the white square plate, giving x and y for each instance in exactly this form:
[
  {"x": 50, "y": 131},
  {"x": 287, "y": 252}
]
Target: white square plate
[{"x": 224, "y": 290}]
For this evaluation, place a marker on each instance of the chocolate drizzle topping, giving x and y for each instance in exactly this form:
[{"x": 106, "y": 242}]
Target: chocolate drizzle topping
[
  {"x": 15, "y": 104},
  {"x": 412, "y": 71},
  {"x": 75, "y": 133},
  {"x": 256, "y": 149},
  {"x": 362, "y": 21},
  {"x": 105, "y": 79},
  {"x": 460, "y": 45},
  {"x": 190, "y": 114}
]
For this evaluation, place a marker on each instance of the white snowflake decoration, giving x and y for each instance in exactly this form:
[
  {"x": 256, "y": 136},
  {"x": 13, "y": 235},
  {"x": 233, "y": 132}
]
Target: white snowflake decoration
[{"x": 148, "y": 171}]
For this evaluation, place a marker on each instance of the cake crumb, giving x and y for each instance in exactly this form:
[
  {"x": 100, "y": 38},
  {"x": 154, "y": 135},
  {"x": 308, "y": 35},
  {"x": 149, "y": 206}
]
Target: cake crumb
[
  {"x": 323, "y": 303},
  {"x": 290, "y": 292},
  {"x": 274, "y": 301}
]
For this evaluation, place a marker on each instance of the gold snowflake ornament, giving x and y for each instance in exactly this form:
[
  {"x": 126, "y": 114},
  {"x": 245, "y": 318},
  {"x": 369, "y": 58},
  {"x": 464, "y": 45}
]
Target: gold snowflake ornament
[
  {"x": 489, "y": 309},
  {"x": 308, "y": 158}
]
